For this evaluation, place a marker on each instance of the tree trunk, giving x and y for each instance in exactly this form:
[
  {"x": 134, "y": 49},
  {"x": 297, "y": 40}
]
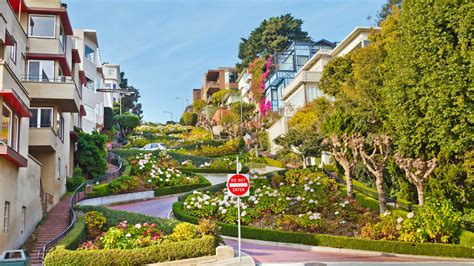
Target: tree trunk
[
  {"x": 380, "y": 192},
  {"x": 421, "y": 194},
  {"x": 347, "y": 174},
  {"x": 304, "y": 162}
]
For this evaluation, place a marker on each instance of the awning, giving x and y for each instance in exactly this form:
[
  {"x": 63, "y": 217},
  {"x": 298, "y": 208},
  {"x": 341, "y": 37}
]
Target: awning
[
  {"x": 82, "y": 111},
  {"x": 82, "y": 77},
  {"x": 15, "y": 102},
  {"x": 75, "y": 56}
]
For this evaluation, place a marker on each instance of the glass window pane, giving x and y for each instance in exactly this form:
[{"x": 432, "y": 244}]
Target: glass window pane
[
  {"x": 34, "y": 118},
  {"x": 89, "y": 53},
  {"x": 5, "y": 127},
  {"x": 42, "y": 26},
  {"x": 47, "y": 70},
  {"x": 33, "y": 70},
  {"x": 46, "y": 117}
]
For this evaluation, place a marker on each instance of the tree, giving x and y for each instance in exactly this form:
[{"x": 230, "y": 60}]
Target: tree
[
  {"x": 428, "y": 92},
  {"x": 387, "y": 9},
  {"x": 305, "y": 143},
  {"x": 90, "y": 154},
  {"x": 129, "y": 102},
  {"x": 376, "y": 161},
  {"x": 108, "y": 118},
  {"x": 230, "y": 122},
  {"x": 127, "y": 122},
  {"x": 190, "y": 119},
  {"x": 272, "y": 35},
  {"x": 198, "y": 105},
  {"x": 417, "y": 172}
]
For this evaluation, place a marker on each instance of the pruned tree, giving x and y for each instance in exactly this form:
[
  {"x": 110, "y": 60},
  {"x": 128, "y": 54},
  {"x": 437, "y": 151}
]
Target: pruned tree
[
  {"x": 417, "y": 172},
  {"x": 376, "y": 161},
  {"x": 341, "y": 152}
]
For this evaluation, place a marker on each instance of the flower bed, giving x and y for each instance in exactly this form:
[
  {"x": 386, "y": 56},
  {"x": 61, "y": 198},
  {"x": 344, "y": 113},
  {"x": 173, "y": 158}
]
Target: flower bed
[{"x": 131, "y": 242}]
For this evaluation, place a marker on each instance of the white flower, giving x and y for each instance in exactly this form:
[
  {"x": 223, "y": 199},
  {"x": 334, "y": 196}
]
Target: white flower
[
  {"x": 346, "y": 202},
  {"x": 318, "y": 184},
  {"x": 281, "y": 184},
  {"x": 138, "y": 226},
  {"x": 300, "y": 215},
  {"x": 310, "y": 182},
  {"x": 399, "y": 220},
  {"x": 410, "y": 215},
  {"x": 311, "y": 190},
  {"x": 149, "y": 180},
  {"x": 336, "y": 213},
  {"x": 128, "y": 235},
  {"x": 189, "y": 207},
  {"x": 243, "y": 213},
  {"x": 298, "y": 198},
  {"x": 206, "y": 202},
  {"x": 418, "y": 230},
  {"x": 255, "y": 202},
  {"x": 224, "y": 211},
  {"x": 311, "y": 201},
  {"x": 385, "y": 213},
  {"x": 213, "y": 204}
]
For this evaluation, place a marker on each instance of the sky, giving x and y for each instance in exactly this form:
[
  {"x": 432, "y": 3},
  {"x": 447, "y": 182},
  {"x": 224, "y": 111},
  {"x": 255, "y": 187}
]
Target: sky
[{"x": 165, "y": 46}]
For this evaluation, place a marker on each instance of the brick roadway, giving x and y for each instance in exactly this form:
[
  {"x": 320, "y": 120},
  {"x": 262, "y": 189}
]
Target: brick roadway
[{"x": 264, "y": 253}]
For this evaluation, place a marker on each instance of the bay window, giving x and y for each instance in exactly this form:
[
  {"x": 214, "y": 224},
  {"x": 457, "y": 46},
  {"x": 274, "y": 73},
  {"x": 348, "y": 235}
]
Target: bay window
[
  {"x": 9, "y": 128},
  {"x": 41, "y": 117},
  {"x": 43, "y": 26},
  {"x": 41, "y": 70}
]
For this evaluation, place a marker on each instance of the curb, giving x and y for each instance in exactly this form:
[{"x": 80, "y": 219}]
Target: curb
[{"x": 346, "y": 251}]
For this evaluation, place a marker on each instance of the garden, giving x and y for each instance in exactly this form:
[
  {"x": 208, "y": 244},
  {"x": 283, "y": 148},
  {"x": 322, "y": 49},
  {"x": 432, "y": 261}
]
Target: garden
[{"x": 109, "y": 237}]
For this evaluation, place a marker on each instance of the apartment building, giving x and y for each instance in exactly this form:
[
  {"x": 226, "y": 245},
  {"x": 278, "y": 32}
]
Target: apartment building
[
  {"x": 196, "y": 94},
  {"x": 215, "y": 80},
  {"x": 91, "y": 68},
  {"x": 304, "y": 86},
  {"x": 39, "y": 92},
  {"x": 112, "y": 79},
  {"x": 286, "y": 64},
  {"x": 244, "y": 82}
]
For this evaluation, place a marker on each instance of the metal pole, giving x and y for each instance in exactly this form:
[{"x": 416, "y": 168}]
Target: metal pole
[
  {"x": 238, "y": 214},
  {"x": 120, "y": 100}
]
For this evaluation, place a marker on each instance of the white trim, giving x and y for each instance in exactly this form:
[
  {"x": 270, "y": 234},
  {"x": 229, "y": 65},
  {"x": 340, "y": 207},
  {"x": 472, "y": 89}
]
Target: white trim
[{"x": 38, "y": 36}]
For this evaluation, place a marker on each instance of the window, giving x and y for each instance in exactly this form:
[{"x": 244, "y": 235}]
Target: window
[
  {"x": 90, "y": 84},
  {"x": 60, "y": 126},
  {"x": 62, "y": 37},
  {"x": 58, "y": 169},
  {"x": 42, "y": 26},
  {"x": 23, "y": 219},
  {"x": 6, "y": 126},
  {"x": 98, "y": 109},
  {"x": 9, "y": 128},
  {"x": 111, "y": 72},
  {"x": 6, "y": 216},
  {"x": 89, "y": 54},
  {"x": 107, "y": 85},
  {"x": 13, "y": 52},
  {"x": 89, "y": 113},
  {"x": 313, "y": 93},
  {"x": 41, "y": 70},
  {"x": 41, "y": 117}
]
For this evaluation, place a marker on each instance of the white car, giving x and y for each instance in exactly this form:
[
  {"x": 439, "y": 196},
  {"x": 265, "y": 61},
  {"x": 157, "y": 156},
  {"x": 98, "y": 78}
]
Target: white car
[{"x": 154, "y": 147}]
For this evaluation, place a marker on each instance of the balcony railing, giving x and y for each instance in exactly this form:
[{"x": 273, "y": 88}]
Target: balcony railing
[{"x": 59, "y": 79}]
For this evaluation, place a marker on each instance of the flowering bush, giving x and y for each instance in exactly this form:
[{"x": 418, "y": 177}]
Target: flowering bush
[
  {"x": 313, "y": 204},
  {"x": 436, "y": 221},
  {"x": 94, "y": 221}
]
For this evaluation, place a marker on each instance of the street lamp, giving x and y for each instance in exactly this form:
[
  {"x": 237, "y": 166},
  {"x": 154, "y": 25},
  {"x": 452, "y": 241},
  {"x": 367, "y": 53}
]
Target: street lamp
[
  {"x": 171, "y": 114},
  {"x": 121, "y": 92},
  {"x": 182, "y": 101}
]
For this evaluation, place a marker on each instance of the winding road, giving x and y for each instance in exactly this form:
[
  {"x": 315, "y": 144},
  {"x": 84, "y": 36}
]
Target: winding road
[{"x": 265, "y": 253}]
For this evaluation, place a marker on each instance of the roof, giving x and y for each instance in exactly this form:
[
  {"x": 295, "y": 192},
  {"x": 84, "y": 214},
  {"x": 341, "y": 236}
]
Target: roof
[
  {"x": 349, "y": 38},
  {"x": 91, "y": 35}
]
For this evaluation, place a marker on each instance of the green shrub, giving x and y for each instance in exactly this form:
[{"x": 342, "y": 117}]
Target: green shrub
[
  {"x": 466, "y": 239},
  {"x": 168, "y": 251},
  {"x": 274, "y": 163},
  {"x": 101, "y": 190},
  {"x": 114, "y": 217},
  {"x": 95, "y": 222},
  {"x": 429, "y": 249},
  {"x": 190, "y": 119},
  {"x": 184, "y": 231},
  {"x": 125, "y": 184},
  {"x": 72, "y": 183}
]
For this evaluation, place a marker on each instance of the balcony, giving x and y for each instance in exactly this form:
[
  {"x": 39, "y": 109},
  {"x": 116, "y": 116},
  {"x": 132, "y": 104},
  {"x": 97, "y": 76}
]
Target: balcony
[
  {"x": 44, "y": 46},
  {"x": 62, "y": 91},
  {"x": 302, "y": 77},
  {"x": 11, "y": 155},
  {"x": 42, "y": 140}
]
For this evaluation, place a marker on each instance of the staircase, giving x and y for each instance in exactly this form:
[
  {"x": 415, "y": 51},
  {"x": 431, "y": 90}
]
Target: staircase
[{"x": 55, "y": 222}]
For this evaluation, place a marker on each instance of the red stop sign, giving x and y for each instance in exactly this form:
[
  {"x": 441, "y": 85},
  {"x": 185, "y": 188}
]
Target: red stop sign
[{"x": 238, "y": 185}]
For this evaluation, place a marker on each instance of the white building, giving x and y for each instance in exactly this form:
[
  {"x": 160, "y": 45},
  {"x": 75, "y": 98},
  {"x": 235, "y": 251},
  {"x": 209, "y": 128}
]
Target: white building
[
  {"x": 112, "y": 80},
  {"x": 93, "y": 101},
  {"x": 304, "y": 88}
]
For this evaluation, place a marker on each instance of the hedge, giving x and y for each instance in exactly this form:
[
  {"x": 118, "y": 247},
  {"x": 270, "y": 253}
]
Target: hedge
[
  {"x": 245, "y": 170},
  {"x": 274, "y": 163},
  {"x": 116, "y": 216},
  {"x": 197, "y": 160},
  {"x": 168, "y": 251},
  {"x": 466, "y": 239},
  {"x": 103, "y": 190},
  {"x": 429, "y": 249},
  {"x": 182, "y": 188}
]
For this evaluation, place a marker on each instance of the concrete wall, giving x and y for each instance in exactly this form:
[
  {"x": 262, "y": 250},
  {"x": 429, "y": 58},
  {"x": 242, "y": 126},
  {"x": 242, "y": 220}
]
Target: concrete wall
[
  {"x": 279, "y": 128},
  {"x": 119, "y": 198}
]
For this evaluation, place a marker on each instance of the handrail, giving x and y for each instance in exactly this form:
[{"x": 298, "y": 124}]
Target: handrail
[{"x": 75, "y": 198}]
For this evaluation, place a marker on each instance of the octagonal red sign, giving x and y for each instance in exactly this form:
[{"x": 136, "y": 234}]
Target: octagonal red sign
[{"x": 238, "y": 184}]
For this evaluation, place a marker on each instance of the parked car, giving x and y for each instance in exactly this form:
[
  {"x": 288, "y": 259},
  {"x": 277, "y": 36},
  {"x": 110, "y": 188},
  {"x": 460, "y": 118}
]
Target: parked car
[{"x": 154, "y": 147}]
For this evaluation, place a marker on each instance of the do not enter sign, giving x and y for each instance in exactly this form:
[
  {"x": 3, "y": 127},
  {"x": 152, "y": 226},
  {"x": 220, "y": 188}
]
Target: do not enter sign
[{"x": 238, "y": 185}]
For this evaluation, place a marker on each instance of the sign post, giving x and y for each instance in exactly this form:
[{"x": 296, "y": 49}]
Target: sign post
[{"x": 238, "y": 185}]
